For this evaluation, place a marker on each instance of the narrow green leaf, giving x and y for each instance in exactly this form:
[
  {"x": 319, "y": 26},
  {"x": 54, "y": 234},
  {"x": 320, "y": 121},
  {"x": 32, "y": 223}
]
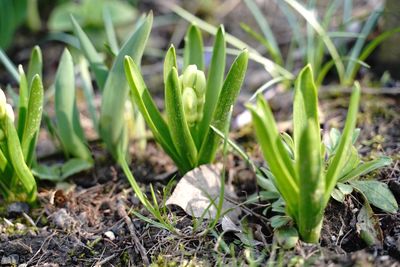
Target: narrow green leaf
[
  {"x": 22, "y": 171},
  {"x": 70, "y": 130},
  {"x": 110, "y": 32},
  {"x": 194, "y": 52},
  {"x": 33, "y": 119},
  {"x": 35, "y": 64},
  {"x": 338, "y": 161},
  {"x": 264, "y": 26},
  {"x": 141, "y": 97},
  {"x": 271, "y": 67},
  {"x": 9, "y": 65},
  {"x": 169, "y": 62},
  {"x": 178, "y": 127},
  {"x": 357, "y": 48},
  {"x": 215, "y": 80},
  {"x": 88, "y": 92},
  {"x": 377, "y": 193},
  {"x": 22, "y": 101},
  {"x": 366, "y": 167},
  {"x": 311, "y": 183},
  {"x": 305, "y": 108},
  {"x": 116, "y": 89},
  {"x": 312, "y": 20},
  {"x": 370, "y": 48},
  {"x": 227, "y": 98},
  {"x": 97, "y": 65},
  {"x": 268, "y": 136}
]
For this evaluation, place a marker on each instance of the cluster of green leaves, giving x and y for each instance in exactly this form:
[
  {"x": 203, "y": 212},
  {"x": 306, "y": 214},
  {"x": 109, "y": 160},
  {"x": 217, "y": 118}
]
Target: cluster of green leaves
[
  {"x": 92, "y": 15},
  {"x": 304, "y": 171},
  {"x": 112, "y": 82},
  {"x": 18, "y": 142},
  {"x": 320, "y": 40},
  {"x": 111, "y": 126},
  {"x": 185, "y": 136}
]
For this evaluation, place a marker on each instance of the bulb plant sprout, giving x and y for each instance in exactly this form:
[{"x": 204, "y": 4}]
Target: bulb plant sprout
[
  {"x": 300, "y": 171},
  {"x": 193, "y": 100},
  {"x": 17, "y": 145}
]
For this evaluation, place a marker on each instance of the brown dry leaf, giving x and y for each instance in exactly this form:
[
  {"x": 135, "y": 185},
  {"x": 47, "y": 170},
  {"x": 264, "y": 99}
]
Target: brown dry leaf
[{"x": 195, "y": 190}]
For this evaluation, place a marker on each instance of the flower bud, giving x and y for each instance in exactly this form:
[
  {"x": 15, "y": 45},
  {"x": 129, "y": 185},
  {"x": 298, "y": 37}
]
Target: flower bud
[
  {"x": 192, "y": 77},
  {"x": 10, "y": 112},
  {"x": 195, "y": 80},
  {"x": 2, "y": 104},
  {"x": 189, "y": 100}
]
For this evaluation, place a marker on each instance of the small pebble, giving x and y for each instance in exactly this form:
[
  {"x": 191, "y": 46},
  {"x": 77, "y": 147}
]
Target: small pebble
[
  {"x": 19, "y": 226},
  {"x": 16, "y": 209},
  {"x": 13, "y": 259},
  {"x": 110, "y": 235}
]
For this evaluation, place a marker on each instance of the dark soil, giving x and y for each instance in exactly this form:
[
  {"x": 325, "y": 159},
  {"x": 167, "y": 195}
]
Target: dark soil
[{"x": 88, "y": 221}]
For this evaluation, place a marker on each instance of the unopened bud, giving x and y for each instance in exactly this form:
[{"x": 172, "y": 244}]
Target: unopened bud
[
  {"x": 192, "y": 77},
  {"x": 10, "y": 112},
  {"x": 3, "y": 103},
  {"x": 189, "y": 100}
]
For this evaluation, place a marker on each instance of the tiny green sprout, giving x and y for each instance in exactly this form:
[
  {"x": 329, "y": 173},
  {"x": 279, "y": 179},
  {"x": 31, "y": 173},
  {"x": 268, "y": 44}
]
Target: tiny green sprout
[
  {"x": 299, "y": 169},
  {"x": 194, "y": 101}
]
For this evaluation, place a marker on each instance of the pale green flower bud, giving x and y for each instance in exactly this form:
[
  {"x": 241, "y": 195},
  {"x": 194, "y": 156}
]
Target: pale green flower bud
[
  {"x": 189, "y": 100},
  {"x": 10, "y": 112},
  {"x": 192, "y": 77},
  {"x": 196, "y": 80},
  {"x": 2, "y": 104}
]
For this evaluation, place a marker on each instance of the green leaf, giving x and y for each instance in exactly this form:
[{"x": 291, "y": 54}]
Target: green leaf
[
  {"x": 228, "y": 95},
  {"x": 67, "y": 114},
  {"x": 311, "y": 183},
  {"x": 215, "y": 80},
  {"x": 59, "y": 172},
  {"x": 33, "y": 119},
  {"x": 313, "y": 22},
  {"x": 357, "y": 48},
  {"x": 366, "y": 167},
  {"x": 97, "y": 65},
  {"x": 279, "y": 221},
  {"x": 10, "y": 67},
  {"x": 377, "y": 193},
  {"x": 370, "y": 48},
  {"x": 110, "y": 32},
  {"x": 263, "y": 24},
  {"x": 287, "y": 237},
  {"x": 169, "y": 63},
  {"x": 22, "y": 101},
  {"x": 35, "y": 64},
  {"x": 178, "y": 127},
  {"x": 338, "y": 195},
  {"x": 116, "y": 90},
  {"x": 193, "y": 53},
  {"x": 271, "y": 67},
  {"x": 22, "y": 171},
  {"x": 368, "y": 226},
  {"x": 339, "y": 159},
  {"x": 278, "y": 159},
  {"x": 305, "y": 108},
  {"x": 141, "y": 97}
]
